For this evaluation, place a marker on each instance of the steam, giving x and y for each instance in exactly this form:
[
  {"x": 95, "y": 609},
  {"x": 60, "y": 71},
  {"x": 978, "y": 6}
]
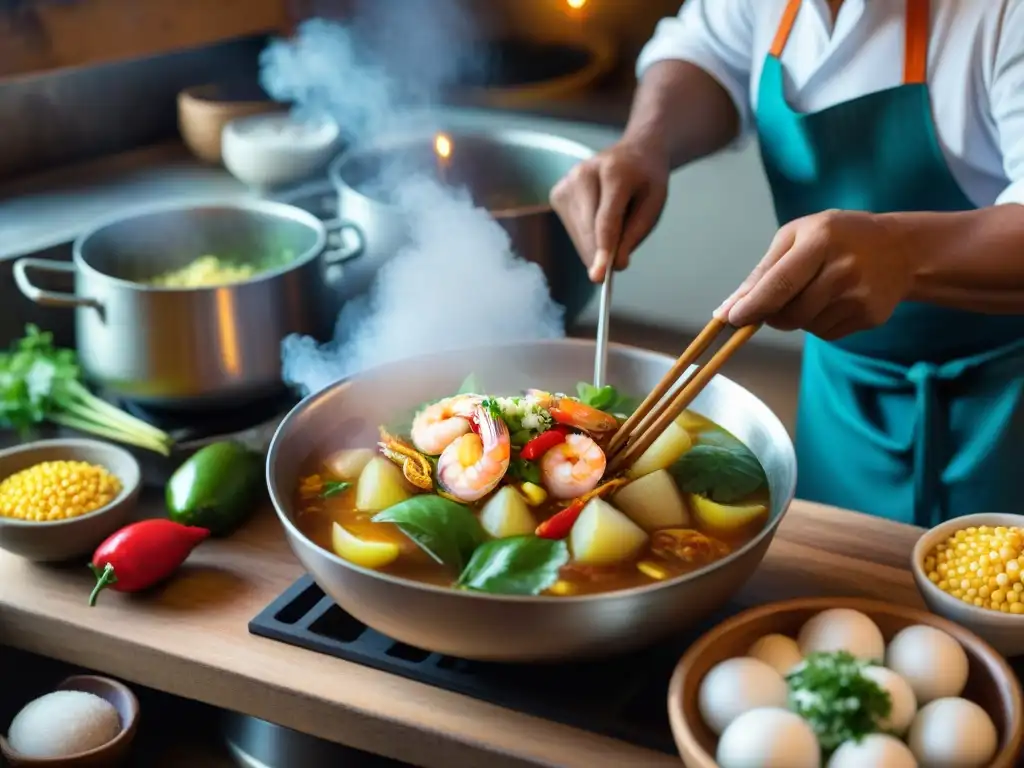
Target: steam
[{"x": 457, "y": 283}]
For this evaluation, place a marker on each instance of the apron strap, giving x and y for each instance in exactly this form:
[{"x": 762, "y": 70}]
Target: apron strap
[
  {"x": 930, "y": 446},
  {"x": 915, "y": 46}
]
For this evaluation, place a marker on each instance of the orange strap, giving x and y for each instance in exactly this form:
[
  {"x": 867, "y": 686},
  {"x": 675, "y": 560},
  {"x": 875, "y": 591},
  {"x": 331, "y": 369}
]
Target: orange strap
[
  {"x": 915, "y": 47},
  {"x": 785, "y": 27}
]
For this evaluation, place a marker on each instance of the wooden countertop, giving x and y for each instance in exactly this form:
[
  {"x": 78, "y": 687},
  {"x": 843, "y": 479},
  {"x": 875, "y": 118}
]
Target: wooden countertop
[{"x": 191, "y": 639}]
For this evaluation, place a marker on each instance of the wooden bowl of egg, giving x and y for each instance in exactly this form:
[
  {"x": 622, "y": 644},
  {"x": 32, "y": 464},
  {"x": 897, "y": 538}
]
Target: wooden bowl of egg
[{"x": 844, "y": 683}]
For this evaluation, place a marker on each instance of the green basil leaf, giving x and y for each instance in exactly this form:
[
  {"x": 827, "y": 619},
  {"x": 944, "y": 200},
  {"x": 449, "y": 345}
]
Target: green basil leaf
[
  {"x": 519, "y": 565},
  {"x": 333, "y": 488},
  {"x": 723, "y": 473},
  {"x": 602, "y": 398},
  {"x": 445, "y": 530},
  {"x": 470, "y": 386}
]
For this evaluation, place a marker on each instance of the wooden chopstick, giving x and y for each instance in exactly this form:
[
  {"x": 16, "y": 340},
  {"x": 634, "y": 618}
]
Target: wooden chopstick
[{"x": 654, "y": 415}]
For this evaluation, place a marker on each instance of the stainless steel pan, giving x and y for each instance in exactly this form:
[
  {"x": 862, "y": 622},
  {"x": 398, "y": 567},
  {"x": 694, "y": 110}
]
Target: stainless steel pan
[{"x": 511, "y": 628}]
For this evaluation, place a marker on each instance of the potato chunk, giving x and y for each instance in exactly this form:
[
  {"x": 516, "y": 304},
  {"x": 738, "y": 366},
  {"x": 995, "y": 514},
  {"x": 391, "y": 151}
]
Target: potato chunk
[
  {"x": 506, "y": 514},
  {"x": 380, "y": 486},
  {"x": 654, "y": 501},
  {"x": 663, "y": 453},
  {"x": 349, "y": 463},
  {"x": 603, "y": 535}
]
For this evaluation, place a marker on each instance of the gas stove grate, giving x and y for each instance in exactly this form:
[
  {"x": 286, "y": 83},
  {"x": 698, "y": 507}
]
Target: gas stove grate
[{"x": 623, "y": 697}]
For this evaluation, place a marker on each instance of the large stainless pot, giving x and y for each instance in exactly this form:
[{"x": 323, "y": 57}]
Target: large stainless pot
[
  {"x": 510, "y": 172},
  {"x": 201, "y": 347},
  {"x": 509, "y": 628}
]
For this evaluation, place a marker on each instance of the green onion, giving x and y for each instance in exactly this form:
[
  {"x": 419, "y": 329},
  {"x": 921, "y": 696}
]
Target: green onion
[{"x": 40, "y": 382}]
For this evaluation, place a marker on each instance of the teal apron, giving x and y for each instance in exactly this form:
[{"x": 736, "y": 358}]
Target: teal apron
[{"x": 921, "y": 419}]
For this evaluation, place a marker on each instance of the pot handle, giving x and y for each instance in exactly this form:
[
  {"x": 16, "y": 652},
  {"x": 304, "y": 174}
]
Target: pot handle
[
  {"x": 21, "y": 270},
  {"x": 344, "y": 241}
]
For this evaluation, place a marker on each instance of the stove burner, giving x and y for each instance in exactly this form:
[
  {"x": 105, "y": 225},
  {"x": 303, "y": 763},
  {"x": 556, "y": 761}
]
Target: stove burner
[
  {"x": 622, "y": 697},
  {"x": 190, "y": 426}
]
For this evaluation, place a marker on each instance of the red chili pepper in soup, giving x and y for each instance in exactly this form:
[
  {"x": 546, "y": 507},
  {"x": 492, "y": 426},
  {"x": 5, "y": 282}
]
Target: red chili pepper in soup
[
  {"x": 560, "y": 524},
  {"x": 543, "y": 443},
  {"x": 143, "y": 554}
]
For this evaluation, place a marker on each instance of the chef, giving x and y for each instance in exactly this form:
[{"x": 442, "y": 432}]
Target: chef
[{"x": 892, "y": 136}]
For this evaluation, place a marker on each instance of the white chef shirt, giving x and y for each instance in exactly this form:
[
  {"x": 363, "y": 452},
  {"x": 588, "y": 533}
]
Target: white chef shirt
[{"x": 975, "y": 70}]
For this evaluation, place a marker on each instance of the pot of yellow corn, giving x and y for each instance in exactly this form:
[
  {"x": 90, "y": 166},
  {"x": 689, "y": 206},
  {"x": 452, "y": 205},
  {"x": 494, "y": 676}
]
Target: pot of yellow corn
[{"x": 185, "y": 306}]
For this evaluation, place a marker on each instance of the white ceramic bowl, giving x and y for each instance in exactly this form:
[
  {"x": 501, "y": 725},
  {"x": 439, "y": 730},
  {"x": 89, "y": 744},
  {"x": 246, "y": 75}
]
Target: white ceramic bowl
[
  {"x": 1003, "y": 631},
  {"x": 272, "y": 150}
]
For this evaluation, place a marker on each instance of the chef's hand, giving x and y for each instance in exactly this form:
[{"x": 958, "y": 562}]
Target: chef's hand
[
  {"x": 611, "y": 202},
  {"x": 831, "y": 273}
]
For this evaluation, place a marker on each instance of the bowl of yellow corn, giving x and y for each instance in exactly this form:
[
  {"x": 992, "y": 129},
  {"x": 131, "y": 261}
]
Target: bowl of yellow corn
[
  {"x": 59, "y": 499},
  {"x": 971, "y": 570}
]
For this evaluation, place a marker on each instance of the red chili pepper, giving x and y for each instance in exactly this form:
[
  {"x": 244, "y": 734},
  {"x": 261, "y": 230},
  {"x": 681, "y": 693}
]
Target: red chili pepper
[
  {"x": 142, "y": 555},
  {"x": 559, "y": 524},
  {"x": 543, "y": 443}
]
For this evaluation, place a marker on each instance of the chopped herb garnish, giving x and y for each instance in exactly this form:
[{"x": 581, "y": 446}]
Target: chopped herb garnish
[
  {"x": 830, "y": 692},
  {"x": 524, "y": 471},
  {"x": 333, "y": 488}
]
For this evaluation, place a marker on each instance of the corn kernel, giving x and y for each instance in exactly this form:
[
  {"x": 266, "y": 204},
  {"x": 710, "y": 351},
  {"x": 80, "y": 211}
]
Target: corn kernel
[
  {"x": 982, "y": 566},
  {"x": 562, "y": 588},
  {"x": 533, "y": 494},
  {"x": 653, "y": 570},
  {"x": 57, "y": 490}
]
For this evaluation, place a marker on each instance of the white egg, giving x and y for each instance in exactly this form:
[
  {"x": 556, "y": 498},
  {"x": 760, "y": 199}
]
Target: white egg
[
  {"x": 736, "y": 686},
  {"x": 779, "y": 652},
  {"x": 842, "y": 629},
  {"x": 932, "y": 662},
  {"x": 876, "y": 750},
  {"x": 768, "y": 738},
  {"x": 901, "y": 696},
  {"x": 952, "y": 733}
]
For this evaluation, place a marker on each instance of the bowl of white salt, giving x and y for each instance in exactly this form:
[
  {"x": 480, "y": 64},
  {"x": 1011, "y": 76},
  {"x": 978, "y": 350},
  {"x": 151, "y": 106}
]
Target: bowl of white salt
[
  {"x": 274, "y": 150},
  {"x": 87, "y": 722}
]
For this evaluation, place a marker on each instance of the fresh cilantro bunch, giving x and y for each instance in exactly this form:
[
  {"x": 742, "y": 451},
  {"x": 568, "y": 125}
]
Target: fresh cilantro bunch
[
  {"x": 839, "y": 703},
  {"x": 40, "y": 382}
]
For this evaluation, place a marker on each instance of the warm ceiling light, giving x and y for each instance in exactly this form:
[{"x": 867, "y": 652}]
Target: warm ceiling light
[
  {"x": 443, "y": 145},
  {"x": 575, "y": 4}
]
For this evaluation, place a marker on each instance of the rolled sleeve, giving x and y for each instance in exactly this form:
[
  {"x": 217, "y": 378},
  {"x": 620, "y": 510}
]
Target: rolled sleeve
[
  {"x": 1006, "y": 96},
  {"x": 715, "y": 35}
]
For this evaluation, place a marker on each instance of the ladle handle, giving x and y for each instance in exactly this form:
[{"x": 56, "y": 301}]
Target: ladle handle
[{"x": 603, "y": 319}]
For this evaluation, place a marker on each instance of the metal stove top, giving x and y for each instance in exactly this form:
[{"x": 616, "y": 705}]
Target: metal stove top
[{"x": 622, "y": 697}]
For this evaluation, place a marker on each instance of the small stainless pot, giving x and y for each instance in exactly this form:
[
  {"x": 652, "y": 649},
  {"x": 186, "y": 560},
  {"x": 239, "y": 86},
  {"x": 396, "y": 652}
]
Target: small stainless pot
[
  {"x": 509, "y": 172},
  {"x": 193, "y": 347}
]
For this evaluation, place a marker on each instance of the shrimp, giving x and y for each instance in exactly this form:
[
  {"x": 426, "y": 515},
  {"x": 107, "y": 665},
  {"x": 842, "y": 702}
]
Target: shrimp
[
  {"x": 572, "y": 468},
  {"x": 573, "y": 413},
  {"x": 435, "y": 427},
  {"x": 473, "y": 464}
]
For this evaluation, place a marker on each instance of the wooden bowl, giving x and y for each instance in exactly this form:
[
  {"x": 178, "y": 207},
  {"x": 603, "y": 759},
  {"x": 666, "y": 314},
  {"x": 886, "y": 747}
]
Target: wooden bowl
[
  {"x": 110, "y": 754},
  {"x": 204, "y": 110},
  {"x": 991, "y": 683}
]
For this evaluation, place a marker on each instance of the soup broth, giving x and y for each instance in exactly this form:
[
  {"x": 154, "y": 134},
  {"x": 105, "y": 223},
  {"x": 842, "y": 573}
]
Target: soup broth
[{"x": 551, "y": 523}]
